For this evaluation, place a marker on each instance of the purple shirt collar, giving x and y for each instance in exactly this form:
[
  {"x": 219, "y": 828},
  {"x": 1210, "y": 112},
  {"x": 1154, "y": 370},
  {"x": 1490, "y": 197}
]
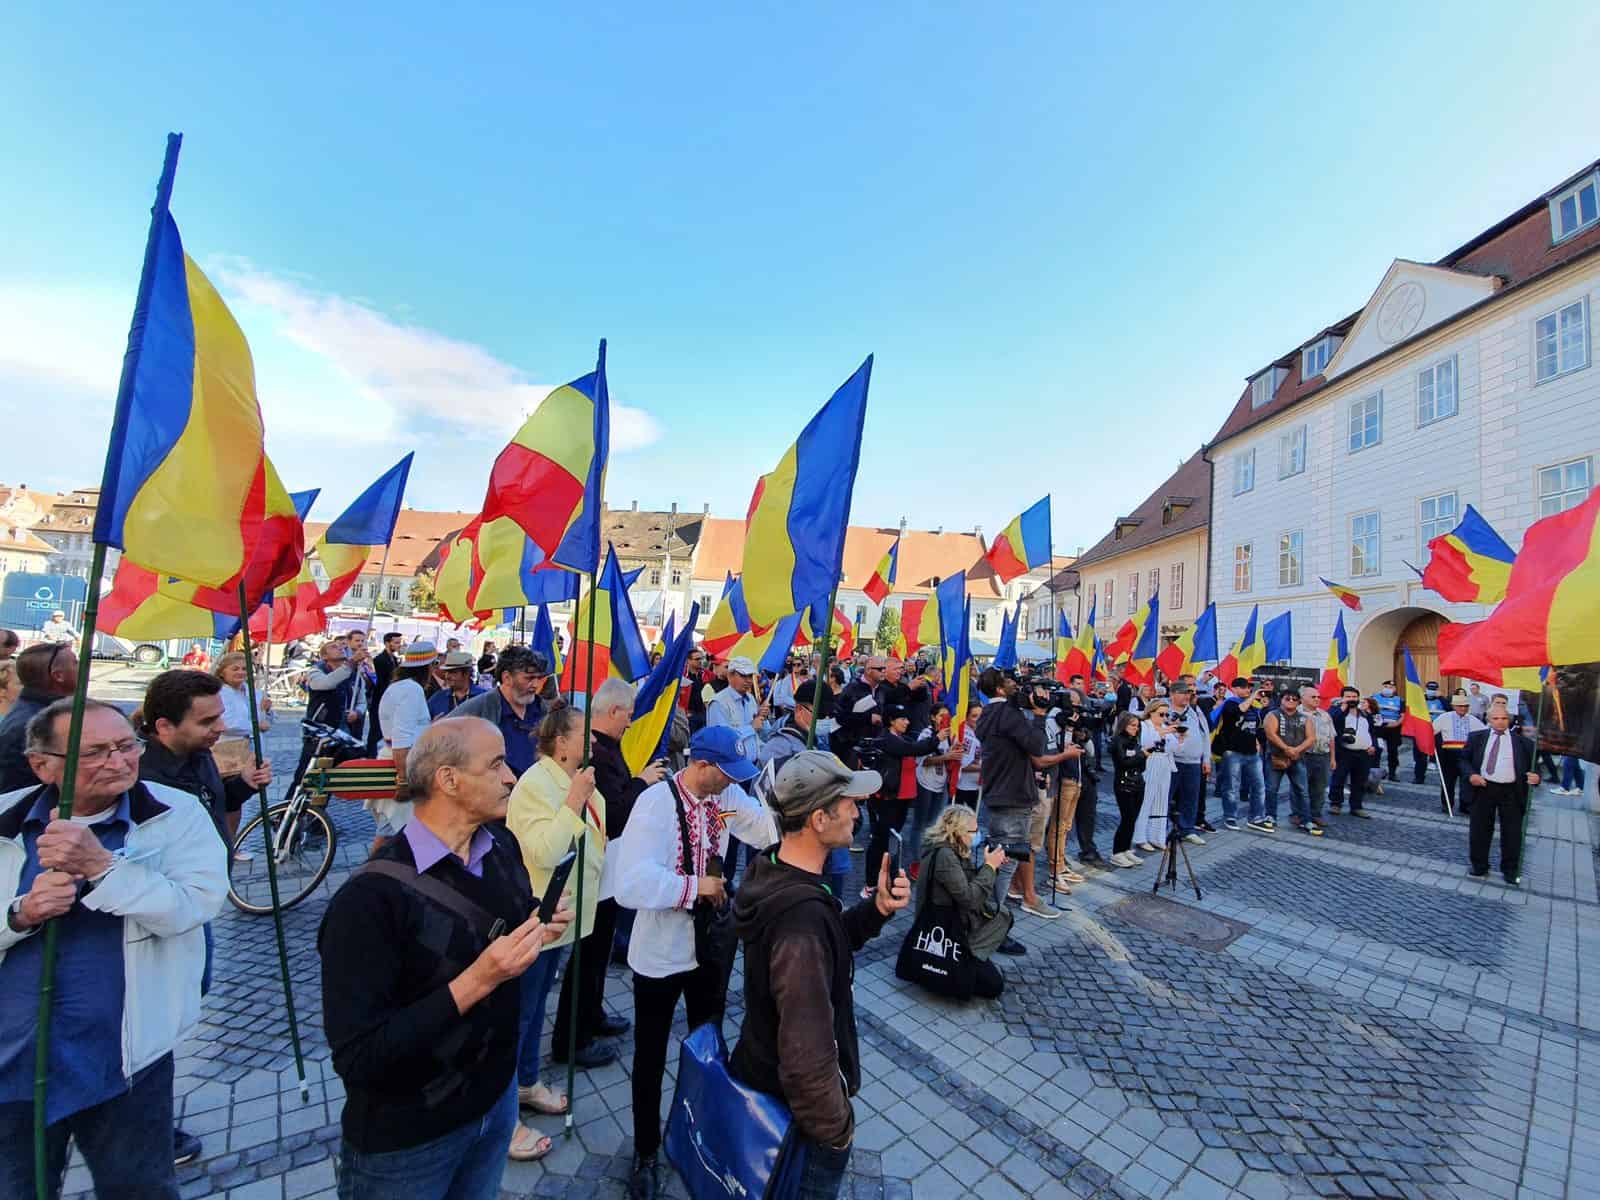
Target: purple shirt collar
[{"x": 427, "y": 849}]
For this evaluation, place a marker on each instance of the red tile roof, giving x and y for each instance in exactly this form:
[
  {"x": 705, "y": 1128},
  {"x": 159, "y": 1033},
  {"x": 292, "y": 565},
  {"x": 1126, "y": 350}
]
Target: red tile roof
[
  {"x": 416, "y": 534},
  {"x": 1517, "y": 250}
]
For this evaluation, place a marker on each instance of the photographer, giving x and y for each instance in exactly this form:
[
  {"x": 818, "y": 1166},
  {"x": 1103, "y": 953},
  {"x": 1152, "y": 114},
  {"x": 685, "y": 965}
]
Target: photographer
[
  {"x": 1127, "y": 760},
  {"x": 1356, "y": 754},
  {"x": 1013, "y": 748},
  {"x": 960, "y": 875},
  {"x": 1191, "y": 760},
  {"x": 856, "y": 710},
  {"x": 1055, "y": 807},
  {"x": 1238, "y": 721},
  {"x": 1158, "y": 739}
]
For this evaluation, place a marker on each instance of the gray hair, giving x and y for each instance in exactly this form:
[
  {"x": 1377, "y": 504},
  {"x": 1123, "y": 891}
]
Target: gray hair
[
  {"x": 613, "y": 693},
  {"x": 41, "y": 731},
  {"x": 442, "y": 744}
]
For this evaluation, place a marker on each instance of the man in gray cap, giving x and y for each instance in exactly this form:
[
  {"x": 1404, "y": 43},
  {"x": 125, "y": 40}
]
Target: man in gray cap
[{"x": 798, "y": 1039}]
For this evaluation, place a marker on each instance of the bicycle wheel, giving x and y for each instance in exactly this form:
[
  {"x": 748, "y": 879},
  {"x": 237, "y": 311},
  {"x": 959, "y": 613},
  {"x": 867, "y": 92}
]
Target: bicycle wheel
[{"x": 305, "y": 856}]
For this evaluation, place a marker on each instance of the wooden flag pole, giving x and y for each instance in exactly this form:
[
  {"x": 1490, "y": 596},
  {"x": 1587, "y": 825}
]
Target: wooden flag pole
[
  {"x": 577, "y": 916},
  {"x": 268, "y": 840},
  {"x": 80, "y": 694}
]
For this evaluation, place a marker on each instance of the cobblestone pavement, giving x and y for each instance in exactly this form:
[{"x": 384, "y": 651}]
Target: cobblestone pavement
[{"x": 1383, "y": 1026}]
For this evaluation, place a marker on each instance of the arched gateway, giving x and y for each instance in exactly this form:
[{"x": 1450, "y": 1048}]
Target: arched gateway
[{"x": 1376, "y": 655}]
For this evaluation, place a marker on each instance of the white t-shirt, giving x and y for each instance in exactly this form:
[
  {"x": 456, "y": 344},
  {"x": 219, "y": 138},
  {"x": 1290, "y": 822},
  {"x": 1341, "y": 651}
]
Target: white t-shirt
[{"x": 403, "y": 712}]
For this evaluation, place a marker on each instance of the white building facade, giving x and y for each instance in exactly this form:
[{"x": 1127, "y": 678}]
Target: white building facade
[{"x": 1469, "y": 381}]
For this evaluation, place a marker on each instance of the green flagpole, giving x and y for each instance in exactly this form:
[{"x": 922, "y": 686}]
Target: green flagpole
[
  {"x": 91, "y": 610},
  {"x": 268, "y": 838}
]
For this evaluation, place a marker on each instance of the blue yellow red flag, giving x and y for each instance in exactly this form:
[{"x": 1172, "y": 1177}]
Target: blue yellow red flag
[
  {"x": 1348, "y": 597},
  {"x": 1247, "y": 654},
  {"x": 950, "y": 596},
  {"x": 1063, "y": 649},
  {"x": 543, "y": 639},
  {"x": 1277, "y": 639},
  {"x": 1336, "y": 671},
  {"x": 1083, "y": 656},
  {"x": 1416, "y": 722},
  {"x": 1141, "y": 664},
  {"x": 730, "y": 620},
  {"x": 184, "y": 490},
  {"x": 618, "y": 647},
  {"x": 1195, "y": 645},
  {"x": 800, "y": 510},
  {"x": 881, "y": 584},
  {"x": 645, "y": 739},
  {"x": 957, "y": 669},
  {"x": 1471, "y": 563},
  {"x": 1022, "y": 545}
]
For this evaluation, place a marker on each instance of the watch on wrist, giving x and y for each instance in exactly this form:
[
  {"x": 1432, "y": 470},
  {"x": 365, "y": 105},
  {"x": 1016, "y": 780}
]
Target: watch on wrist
[{"x": 14, "y": 916}]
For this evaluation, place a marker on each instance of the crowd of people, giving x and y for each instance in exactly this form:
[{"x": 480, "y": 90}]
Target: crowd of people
[{"x": 439, "y": 955}]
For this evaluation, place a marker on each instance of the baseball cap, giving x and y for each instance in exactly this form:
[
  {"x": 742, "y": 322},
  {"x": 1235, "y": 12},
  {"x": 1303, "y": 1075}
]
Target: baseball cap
[
  {"x": 814, "y": 779},
  {"x": 719, "y": 746},
  {"x": 418, "y": 654},
  {"x": 456, "y": 660},
  {"x": 740, "y": 665}
]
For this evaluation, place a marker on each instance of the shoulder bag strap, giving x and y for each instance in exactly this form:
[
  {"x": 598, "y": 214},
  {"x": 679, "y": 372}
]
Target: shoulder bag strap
[
  {"x": 425, "y": 885},
  {"x": 683, "y": 826}
]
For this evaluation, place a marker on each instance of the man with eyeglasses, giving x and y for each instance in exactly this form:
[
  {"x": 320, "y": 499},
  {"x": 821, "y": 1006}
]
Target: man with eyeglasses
[
  {"x": 47, "y": 672},
  {"x": 129, "y": 880}
]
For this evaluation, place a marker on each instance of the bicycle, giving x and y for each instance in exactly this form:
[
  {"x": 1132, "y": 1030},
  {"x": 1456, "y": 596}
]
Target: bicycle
[{"x": 304, "y": 840}]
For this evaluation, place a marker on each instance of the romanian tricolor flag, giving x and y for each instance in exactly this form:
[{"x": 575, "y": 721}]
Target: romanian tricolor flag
[
  {"x": 1005, "y": 655},
  {"x": 1196, "y": 644},
  {"x": 541, "y": 480},
  {"x": 618, "y": 646},
  {"x": 1063, "y": 650},
  {"x": 1082, "y": 654},
  {"x": 1471, "y": 563},
  {"x": 364, "y": 527},
  {"x": 1348, "y": 597},
  {"x": 957, "y": 670},
  {"x": 1336, "y": 672},
  {"x": 1022, "y": 545},
  {"x": 291, "y": 610},
  {"x": 1551, "y": 613},
  {"x": 646, "y": 738},
  {"x": 795, "y": 528},
  {"x": 759, "y": 644},
  {"x": 1248, "y": 653},
  {"x": 1415, "y": 722},
  {"x": 882, "y": 581},
  {"x": 1277, "y": 639},
  {"x": 908, "y": 641},
  {"x": 843, "y": 633},
  {"x": 779, "y": 642},
  {"x": 185, "y": 485},
  {"x": 544, "y": 639},
  {"x": 1140, "y": 667},
  {"x": 730, "y": 621}
]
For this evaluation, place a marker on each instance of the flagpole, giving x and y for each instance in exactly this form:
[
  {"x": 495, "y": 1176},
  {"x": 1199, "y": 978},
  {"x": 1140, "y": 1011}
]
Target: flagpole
[
  {"x": 577, "y": 937},
  {"x": 80, "y": 694},
  {"x": 822, "y": 666},
  {"x": 1050, "y": 578},
  {"x": 268, "y": 840},
  {"x": 372, "y": 612}
]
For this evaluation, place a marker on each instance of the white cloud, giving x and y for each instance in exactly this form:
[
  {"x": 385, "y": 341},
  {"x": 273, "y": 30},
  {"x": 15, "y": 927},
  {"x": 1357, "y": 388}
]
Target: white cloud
[{"x": 405, "y": 372}]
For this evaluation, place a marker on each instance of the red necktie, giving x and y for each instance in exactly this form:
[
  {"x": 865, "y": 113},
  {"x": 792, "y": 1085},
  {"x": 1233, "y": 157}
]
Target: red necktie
[{"x": 1494, "y": 752}]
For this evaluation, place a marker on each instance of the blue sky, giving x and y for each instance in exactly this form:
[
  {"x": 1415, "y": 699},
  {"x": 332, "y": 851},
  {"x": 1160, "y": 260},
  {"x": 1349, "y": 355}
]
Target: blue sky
[{"x": 1067, "y": 233}]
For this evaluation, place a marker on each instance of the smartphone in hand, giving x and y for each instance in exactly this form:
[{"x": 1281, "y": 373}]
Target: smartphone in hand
[
  {"x": 557, "y": 885},
  {"x": 895, "y": 854}
]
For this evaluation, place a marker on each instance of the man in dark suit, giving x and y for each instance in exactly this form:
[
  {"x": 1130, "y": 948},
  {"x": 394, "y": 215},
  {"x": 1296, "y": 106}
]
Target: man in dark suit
[
  {"x": 1500, "y": 769},
  {"x": 383, "y": 666}
]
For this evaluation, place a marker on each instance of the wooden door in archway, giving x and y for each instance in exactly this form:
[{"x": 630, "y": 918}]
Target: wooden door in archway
[{"x": 1422, "y": 638}]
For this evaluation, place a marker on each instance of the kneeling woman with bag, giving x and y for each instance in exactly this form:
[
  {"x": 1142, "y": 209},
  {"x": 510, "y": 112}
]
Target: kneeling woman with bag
[{"x": 957, "y": 929}]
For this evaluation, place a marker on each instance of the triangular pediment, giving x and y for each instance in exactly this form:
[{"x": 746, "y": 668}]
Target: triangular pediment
[{"x": 1413, "y": 297}]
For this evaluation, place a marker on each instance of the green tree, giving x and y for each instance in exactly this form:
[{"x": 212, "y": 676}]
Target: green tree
[
  {"x": 422, "y": 597},
  {"x": 888, "y": 630}
]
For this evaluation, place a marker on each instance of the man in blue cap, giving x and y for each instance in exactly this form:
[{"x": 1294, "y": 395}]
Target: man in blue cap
[{"x": 666, "y": 864}]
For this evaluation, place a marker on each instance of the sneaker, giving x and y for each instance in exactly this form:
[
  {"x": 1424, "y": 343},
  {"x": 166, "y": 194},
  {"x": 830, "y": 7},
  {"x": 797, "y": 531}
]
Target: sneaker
[
  {"x": 1041, "y": 910},
  {"x": 1013, "y": 947},
  {"x": 1232, "y": 823},
  {"x": 1149, "y": 848},
  {"x": 1194, "y": 839},
  {"x": 1312, "y": 828},
  {"x": 1206, "y": 827},
  {"x": 1362, "y": 813},
  {"x": 185, "y": 1147},
  {"x": 1013, "y": 897},
  {"x": 1271, "y": 823},
  {"x": 1484, "y": 874},
  {"x": 1514, "y": 881},
  {"x": 1258, "y": 826}
]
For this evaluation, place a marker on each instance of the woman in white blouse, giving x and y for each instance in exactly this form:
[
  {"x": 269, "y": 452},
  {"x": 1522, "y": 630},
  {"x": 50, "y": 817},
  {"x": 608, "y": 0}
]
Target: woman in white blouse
[{"x": 1150, "y": 828}]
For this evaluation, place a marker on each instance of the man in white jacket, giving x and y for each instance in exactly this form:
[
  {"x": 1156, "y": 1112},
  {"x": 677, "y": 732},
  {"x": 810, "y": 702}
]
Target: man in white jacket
[
  {"x": 668, "y": 859},
  {"x": 130, "y": 880}
]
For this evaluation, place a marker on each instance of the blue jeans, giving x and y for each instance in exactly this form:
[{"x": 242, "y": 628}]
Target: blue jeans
[
  {"x": 536, "y": 983},
  {"x": 1242, "y": 772},
  {"x": 1572, "y": 772},
  {"x": 464, "y": 1164},
  {"x": 1316, "y": 782},
  {"x": 1187, "y": 780},
  {"x": 924, "y": 809},
  {"x": 1299, "y": 799},
  {"x": 823, "y": 1178},
  {"x": 126, "y": 1142}
]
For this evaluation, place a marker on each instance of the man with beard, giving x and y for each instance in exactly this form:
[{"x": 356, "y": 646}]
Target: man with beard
[{"x": 516, "y": 706}]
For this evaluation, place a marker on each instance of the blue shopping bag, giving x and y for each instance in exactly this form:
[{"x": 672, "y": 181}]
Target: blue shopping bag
[{"x": 727, "y": 1140}]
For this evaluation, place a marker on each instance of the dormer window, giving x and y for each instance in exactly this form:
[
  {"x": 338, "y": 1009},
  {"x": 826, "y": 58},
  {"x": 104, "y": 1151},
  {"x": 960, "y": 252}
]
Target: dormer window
[
  {"x": 1576, "y": 209},
  {"x": 1125, "y": 525},
  {"x": 1265, "y": 385},
  {"x": 1314, "y": 358}
]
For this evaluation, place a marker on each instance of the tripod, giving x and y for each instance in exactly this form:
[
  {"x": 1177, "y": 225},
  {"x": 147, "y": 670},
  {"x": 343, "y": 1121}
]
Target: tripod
[{"x": 1167, "y": 870}]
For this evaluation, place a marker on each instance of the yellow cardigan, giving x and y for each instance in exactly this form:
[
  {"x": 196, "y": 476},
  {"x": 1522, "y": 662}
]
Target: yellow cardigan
[{"x": 545, "y": 828}]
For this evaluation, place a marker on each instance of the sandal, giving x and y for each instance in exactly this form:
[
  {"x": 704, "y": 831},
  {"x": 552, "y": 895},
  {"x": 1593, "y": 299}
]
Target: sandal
[
  {"x": 1072, "y": 877},
  {"x": 528, "y": 1145},
  {"x": 542, "y": 1100}
]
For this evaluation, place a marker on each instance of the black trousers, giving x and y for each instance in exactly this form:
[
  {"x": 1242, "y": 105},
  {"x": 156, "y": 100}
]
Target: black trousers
[
  {"x": 589, "y": 981},
  {"x": 1419, "y": 762},
  {"x": 1389, "y": 735},
  {"x": 886, "y": 815},
  {"x": 1128, "y": 804},
  {"x": 1502, "y": 800},
  {"x": 654, "y": 1003},
  {"x": 1454, "y": 781},
  {"x": 1352, "y": 771},
  {"x": 1083, "y": 820}
]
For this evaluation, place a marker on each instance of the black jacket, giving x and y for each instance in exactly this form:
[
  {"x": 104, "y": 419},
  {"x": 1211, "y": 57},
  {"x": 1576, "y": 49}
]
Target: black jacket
[
  {"x": 1522, "y": 752},
  {"x": 798, "y": 1040},
  {"x": 197, "y": 775},
  {"x": 1237, "y": 727},
  {"x": 1128, "y": 759},
  {"x": 1010, "y": 742},
  {"x": 615, "y": 782},
  {"x": 853, "y": 709}
]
